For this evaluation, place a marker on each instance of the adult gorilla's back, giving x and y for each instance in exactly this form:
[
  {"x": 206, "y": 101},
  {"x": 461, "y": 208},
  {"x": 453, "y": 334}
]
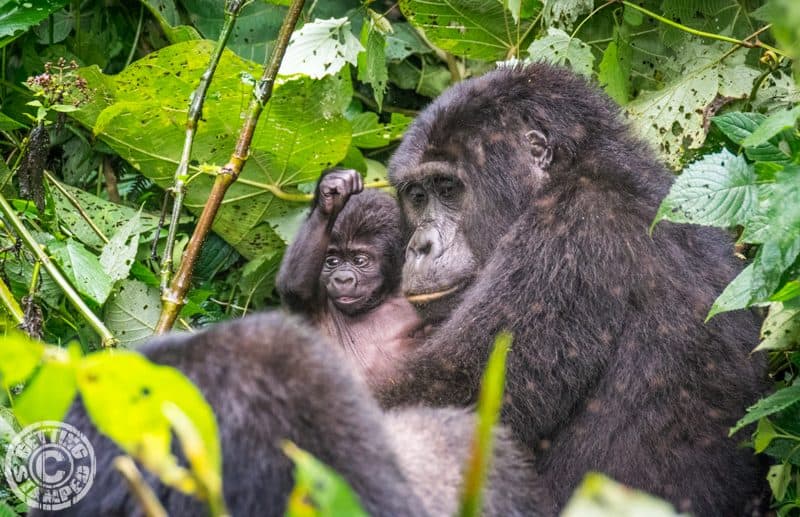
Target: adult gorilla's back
[{"x": 531, "y": 202}]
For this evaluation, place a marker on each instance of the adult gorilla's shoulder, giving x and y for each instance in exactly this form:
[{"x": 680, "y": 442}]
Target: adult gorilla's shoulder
[{"x": 530, "y": 200}]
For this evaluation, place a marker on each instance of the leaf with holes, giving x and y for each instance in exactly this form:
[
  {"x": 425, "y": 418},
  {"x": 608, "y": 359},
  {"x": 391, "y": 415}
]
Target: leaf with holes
[
  {"x": 321, "y": 48},
  {"x": 718, "y": 190},
  {"x": 672, "y": 118},
  {"x": 475, "y": 29},
  {"x": 120, "y": 252},
  {"x": 781, "y": 328},
  {"x": 301, "y": 132}
]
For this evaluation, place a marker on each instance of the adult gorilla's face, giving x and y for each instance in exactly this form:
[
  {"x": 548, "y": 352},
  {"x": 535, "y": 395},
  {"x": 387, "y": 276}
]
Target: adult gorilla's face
[{"x": 439, "y": 260}]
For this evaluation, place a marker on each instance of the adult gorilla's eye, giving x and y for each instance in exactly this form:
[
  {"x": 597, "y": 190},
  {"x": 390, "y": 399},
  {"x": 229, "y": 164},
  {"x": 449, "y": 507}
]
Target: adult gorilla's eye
[
  {"x": 360, "y": 260},
  {"x": 446, "y": 188},
  {"x": 416, "y": 195},
  {"x": 331, "y": 261}
]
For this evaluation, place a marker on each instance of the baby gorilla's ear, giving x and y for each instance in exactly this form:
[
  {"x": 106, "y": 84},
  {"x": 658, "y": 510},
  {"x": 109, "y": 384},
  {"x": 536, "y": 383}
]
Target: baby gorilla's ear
[{"x": 541, "y": 151}]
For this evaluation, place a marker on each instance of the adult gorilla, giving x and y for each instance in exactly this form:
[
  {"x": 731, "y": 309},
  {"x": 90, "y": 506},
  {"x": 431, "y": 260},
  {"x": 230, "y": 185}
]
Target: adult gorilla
[{"x": 531, "y": 201}]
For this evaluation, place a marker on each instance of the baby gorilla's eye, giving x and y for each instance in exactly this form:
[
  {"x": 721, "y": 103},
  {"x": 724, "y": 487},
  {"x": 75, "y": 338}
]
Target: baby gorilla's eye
[
  {"x": 360, "y": 260},
  {"x": 331, "y": 261}
]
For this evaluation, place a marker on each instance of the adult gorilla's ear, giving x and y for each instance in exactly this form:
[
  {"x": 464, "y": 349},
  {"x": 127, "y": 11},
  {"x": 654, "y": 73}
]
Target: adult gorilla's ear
[{"x": 541, "y": 151}]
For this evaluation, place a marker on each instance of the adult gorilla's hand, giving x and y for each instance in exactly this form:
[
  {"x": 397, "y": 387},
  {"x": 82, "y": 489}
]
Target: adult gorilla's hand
[{"x": 335, "y": 188}]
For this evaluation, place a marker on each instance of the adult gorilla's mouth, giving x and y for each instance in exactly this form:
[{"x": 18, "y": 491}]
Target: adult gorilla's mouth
[
  {"x": 347, "y": 300},
  {"x": 423, "y": 298}
]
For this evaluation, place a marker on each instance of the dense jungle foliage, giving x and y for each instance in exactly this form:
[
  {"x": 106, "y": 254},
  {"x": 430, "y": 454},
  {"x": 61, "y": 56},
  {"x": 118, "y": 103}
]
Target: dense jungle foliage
[{"x": 95, "y": 96}]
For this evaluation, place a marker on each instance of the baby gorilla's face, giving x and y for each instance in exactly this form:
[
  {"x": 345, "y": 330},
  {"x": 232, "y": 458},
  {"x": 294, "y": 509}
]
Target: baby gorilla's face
[{"x": 352, "y": 276}]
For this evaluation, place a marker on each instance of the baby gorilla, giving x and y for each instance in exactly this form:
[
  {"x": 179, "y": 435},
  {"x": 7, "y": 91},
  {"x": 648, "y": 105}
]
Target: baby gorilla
[{"x": 343, "y": 271}]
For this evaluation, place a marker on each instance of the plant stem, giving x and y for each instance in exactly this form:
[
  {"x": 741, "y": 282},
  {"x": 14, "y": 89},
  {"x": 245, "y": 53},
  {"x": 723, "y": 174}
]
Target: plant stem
[
  {"x": 173, "y": 298},
  {"x": 178, "y": 190},
  {"x": 10, "y": 303},
  {"x": 742, "y": 43},
  {"x": 107, "y": 338},
  {"x": 138, "y": 486}
]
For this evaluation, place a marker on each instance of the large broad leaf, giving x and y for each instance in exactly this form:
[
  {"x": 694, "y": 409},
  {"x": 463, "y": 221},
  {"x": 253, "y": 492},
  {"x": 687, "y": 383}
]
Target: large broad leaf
[
  {"x": 476, "y": 29},
  {"x": 253, "y": 34},
  {"x": 672, "y": 118},
  {"x": 17, "y": 16},
  {"x": 718, "y": 190},
  {"x": 301, "y": 132},
  {"x": 19, "y": 356}
]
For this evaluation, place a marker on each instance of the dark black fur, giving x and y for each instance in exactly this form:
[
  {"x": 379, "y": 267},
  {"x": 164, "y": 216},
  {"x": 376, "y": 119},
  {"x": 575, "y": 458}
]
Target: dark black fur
[
  {"x": 270, "y": 379},
  {"x": 612, "y": 367},
  {"x": 374, "y": 216}
]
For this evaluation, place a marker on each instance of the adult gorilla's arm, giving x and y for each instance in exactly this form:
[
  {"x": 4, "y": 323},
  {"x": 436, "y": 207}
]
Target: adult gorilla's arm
[
  {"x": 547, "y": 294},
  {"x": 298, "y": 280}
]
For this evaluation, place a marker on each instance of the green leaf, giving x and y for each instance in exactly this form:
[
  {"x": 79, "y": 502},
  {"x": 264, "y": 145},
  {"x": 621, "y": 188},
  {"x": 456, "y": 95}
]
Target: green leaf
[
  {"x": 737, "y": 294},
  {"x": 17, "y": 17},
  {"x": 564, "y": 13},
  {"x": 82, "y": 269},
  {"x": 372, "y": 63},
  {"x": 301, "y": 132},
  {"x": 773, "y": 125},
  {"x": 781, "y": 328},
  {"x": 132, "y": 312},
  {"x": 765, "y": 433},
  {"x": 739, "y": 126},
  {"x": 600, "y": 496},
  {"x": 476, "y": 29},
  {"x": 9, "y": 124},
  {"x": 253, "y": 34},
  {"x": 166, "y": 12},
  {"x": 615, "y": 69},
  {"x": 107, "y": 216},
  {"x": 788, "y": 292},
  {"x": 560, "y": 48},
  {"x": 318, "y": 490},
  {"x": 120, "y": 252},
  {"x": 19, "y": 356},
  {"x": 718, "y": 190},
  {"x": 404, "y": 42},
  {"x": 671, "y": 118},
  {"x": 49, "y": 394},
  {"x": 490, "y": 401},
  {"x": 124, "y": 395},
  {"x": 778, "y": 401},
  {"x": 368, "y": 133},
  {"x": 779, "y": 477},
  {"x": 321, "y": 48}
]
